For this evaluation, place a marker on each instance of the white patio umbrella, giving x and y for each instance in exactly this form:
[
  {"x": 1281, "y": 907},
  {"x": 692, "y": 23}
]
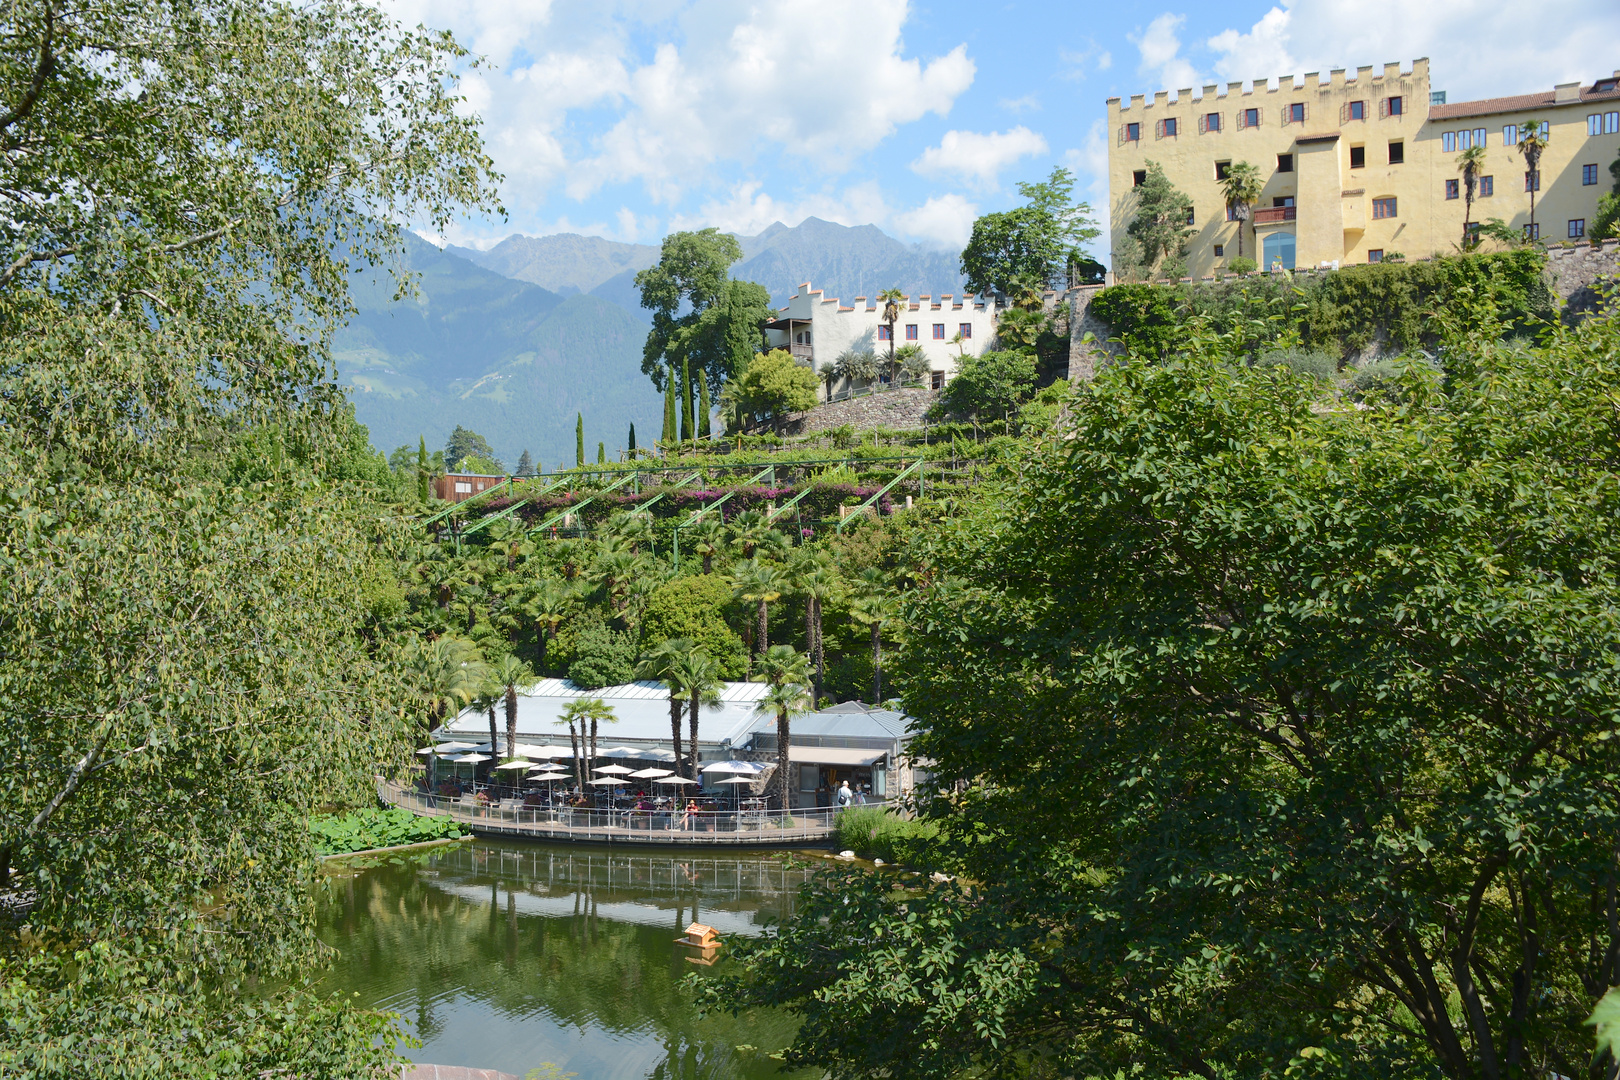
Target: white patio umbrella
[
  {"x": 614, "y": 770},
  {"x": 622, "y": 752},
  {"x": 751, "y": 768},
  {"x": 605, "y": 781},
  {"x": 453, "y": 747},
  {"x": 513, "y": 765},
  {"x": 550, "y": 766},
  {"x": 470, "y": 759},
  {"x": 548, "y": 777},
  {"x": 648, "y": 774},
  {"x": 735, "y": 780},
  {"x": 674, "y": 780}
]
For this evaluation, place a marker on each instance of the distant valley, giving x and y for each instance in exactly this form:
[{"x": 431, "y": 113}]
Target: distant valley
[{"x": 515, "y": 341}]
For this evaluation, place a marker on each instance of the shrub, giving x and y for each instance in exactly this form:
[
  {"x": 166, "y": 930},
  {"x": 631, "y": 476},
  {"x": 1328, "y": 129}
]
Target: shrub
[
  {"x": 694, "y": 607},
  {"x": 362, "y": 830},
  {"x": 1378, "y": 380},
  {"x": 1242, "y": 265},
  {"x": 1318, "y": 365},
  {"x": 875, "y": 832}
]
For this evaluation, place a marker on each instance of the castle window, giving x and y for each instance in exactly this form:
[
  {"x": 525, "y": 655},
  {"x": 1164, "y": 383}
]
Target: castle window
[
  {"x": 1375, "y": 255},
  {"x": 1210, "y": 122},
  {"x": 1249, "y": 118},
  {"x": 1487, "y": 186},
  {"x": 1603, "y": 123},
  {"x": 936, "y": 380},
  {"x": 1355, "y": 110},
  {"x": 1533, "y": 232},
  {"x": 966, "y": 330},
  {"x": 1285, "y": 162},
  {"x": 1588, "y": 175},
  {"x": 1189, "y": 215},
  {"x": 1294, "y": 113},
  {"x": 1397, "y": 153},
  {"x": 1384, "y": 208},
  {"x": 1452, "y": 191},
  {"x": 1138, "y": 178},
  {"x": 1577, "y": 228},
  {"x": 911, "y": 331},
  {"x": 883, "y": 332},
  {"x": 1133, "y": 132},
  {"x": 1391, "y": 106},
  {"x": 1448, "y": 142},
  {"x": 1167, "y": 128},
  {"x": 1510, "y": 135},
  {"x": 1220, "y": 250},
  {"x": 1221, "y": 168},
  {"x": 1358, "y": 157},
  {"x": 939, "y": 331}
]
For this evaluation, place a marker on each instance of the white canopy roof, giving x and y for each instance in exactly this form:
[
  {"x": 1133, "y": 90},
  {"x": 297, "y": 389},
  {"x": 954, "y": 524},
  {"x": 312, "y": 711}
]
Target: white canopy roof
[
  {"x": 835, "y": 755},
  {"x": 747, "y": 768},
  {"x": 641, "y": 708}
]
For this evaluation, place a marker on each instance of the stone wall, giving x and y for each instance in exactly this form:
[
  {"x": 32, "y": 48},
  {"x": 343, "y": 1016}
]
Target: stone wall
[
  {"x": 1578, "y": 274},
  {"x": 900, "y": 409},
  {"x": 1088, "y": 335}
]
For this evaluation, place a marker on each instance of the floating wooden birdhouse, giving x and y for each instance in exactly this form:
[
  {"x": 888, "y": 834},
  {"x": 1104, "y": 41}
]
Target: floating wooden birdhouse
[{"x": 700, "y": 937}]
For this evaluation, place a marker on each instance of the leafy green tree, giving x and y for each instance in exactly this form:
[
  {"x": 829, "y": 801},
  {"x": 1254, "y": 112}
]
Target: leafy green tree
[
  {"x": 1606, "y": 222},
  {"x": 786, "y": 672},
  {"x": 1240, "y": 188},
  {"x": 601, "y": 453},
  {"x": 602, "y": 656},
  {"x": 479, "y": 465},
  {"x": 1031, "y": 247},
  {"x": 912, "y": 361},
  {"x": 705, "y": 411},
  {"x": 874, "y": 607},
  {"x": 773, "y": 385},
  {"x": 1341, "y": 682},
  {"x": 694, "y": 607},
  {"x": 464, "y": 444},
  {"x": 1162, "y": 211},
  {"x": 185, "y": 192},
  {"x": 814, "y": 577},
  {"x": 990, "y": 385},
  {"x": 700, "y": 316}
]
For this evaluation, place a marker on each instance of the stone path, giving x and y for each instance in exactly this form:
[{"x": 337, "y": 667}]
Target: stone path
[{"x": 451, "y": 1072}]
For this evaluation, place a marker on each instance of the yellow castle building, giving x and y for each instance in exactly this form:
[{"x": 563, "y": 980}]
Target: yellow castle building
[{"x": 1357, "y": 169}]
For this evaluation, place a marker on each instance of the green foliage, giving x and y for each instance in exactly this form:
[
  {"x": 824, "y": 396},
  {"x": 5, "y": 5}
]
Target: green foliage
[
  {"x": 463, "y": 445},
  {"x": 1318, "y": 365},
  {"x": 876, "y": 833},
  {"x": 363, "y": 830},
  {"x": 1260, "y": 729},
  {"x": 1159, "y": 224},
  {"x": 599, "y": 655},
  {"x": 1340, "y": 312},
  {"x": 989, "y": 386},
  {"x": 480, "y": 465},
  {"x": 1242, "y": 265},
  {"x": 773, "y": 385},
  {"x": 1031, "y": 247},
  {"x": 720, "y": 329},
  {"x": 695, "y": 607}
]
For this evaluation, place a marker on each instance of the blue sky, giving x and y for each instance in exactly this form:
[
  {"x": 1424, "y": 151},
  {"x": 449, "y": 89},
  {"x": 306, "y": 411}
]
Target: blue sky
[{"x": 629, "y": 120}]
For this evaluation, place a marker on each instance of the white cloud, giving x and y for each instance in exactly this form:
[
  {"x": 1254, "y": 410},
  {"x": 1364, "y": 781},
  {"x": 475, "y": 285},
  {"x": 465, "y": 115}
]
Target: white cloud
[
  {"x": 1089, "y": 163},
  {"x": 1026, "y": 103},
  {"x": 822, "y": 83},
  {"x": 1078, "y": 63},
  {"x": 1479, "y": 48},
  {"x": 943, "y": 222},
  {"x": 978, "y": 158},
  {"x": 1161, "y": 53},
  {"x": 749, "y": 209}
]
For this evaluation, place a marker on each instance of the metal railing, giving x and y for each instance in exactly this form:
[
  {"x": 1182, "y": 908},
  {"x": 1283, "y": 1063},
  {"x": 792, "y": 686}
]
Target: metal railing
[
  {"x": 671, "y": 824},
  {"x": 1273, "y": 214}
]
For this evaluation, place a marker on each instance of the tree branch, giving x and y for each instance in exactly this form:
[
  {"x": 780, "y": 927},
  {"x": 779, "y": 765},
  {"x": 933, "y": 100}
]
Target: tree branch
[{"x": 43, "y": 70}]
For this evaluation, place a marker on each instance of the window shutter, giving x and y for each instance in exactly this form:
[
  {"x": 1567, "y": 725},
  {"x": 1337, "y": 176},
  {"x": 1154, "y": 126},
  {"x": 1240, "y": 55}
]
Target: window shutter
[
  {"x": 1383, "y": 108},
  {"x": 1203, "y": 125}
]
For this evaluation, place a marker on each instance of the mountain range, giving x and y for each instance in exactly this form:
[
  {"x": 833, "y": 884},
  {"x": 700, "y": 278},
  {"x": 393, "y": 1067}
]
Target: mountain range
[{"x": 515, "y": 341}]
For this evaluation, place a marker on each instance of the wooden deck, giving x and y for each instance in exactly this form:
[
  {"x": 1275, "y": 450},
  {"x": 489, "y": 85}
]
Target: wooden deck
[{"x": 724, "y": 829}]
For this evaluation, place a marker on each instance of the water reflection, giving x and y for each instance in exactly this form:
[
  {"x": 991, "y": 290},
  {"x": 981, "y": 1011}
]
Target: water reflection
[{"x": 505, "y": 956}]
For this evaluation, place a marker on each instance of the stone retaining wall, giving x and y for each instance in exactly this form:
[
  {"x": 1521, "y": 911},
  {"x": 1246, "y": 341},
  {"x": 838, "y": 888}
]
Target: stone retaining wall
[
  {"x": 900, "y": 409},
  {"x": 1579, "y": 272}
]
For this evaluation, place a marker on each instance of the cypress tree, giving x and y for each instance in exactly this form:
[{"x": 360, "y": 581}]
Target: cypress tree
[
  {"x": 703, "y": 407},
  {"x": 686, "y": 400},
  {"x": 579, "y": 439},
  {"x": 423, "y": 472},
  {"x": 601, "y": 453},
  {"x": 632, "y": 440},
  {"x": 669, "y": 407}
]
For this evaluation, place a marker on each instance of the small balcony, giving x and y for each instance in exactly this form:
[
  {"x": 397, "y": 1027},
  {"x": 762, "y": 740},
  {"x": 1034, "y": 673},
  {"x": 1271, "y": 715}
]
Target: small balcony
[
  {"x": 1273, "y": 215},
  {"x": 801, "y": 352}
]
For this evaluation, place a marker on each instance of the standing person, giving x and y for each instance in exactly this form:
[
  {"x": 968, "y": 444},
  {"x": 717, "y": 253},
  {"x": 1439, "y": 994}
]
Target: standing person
[{"x": 845, "y": 796}]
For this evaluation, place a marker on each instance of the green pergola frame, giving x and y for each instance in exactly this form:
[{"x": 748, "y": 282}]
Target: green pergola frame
[
  {"x": 576, "y": 507},
  {"x": 916, "y": 466}
]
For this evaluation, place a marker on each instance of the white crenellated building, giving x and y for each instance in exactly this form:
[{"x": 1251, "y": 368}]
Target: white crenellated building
[{"x": 817, "y": 329}]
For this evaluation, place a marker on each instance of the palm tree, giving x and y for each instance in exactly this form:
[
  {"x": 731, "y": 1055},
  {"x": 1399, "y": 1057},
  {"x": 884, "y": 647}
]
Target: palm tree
[
  {"x": 815, "y": 580},
  {"x": 759, "y": 583},
  {"x": 665, "y": 663},
  {"x": 858, "y": 366},
  {"x": 786, "y": 672},
  {"x": 1532, "y": 144},
  {"x": 1240, "y": 187},
  {"x": 914, "y": 363},
  {"x": 749, "y": 531},
  {"x": 707, "y": 537},
  {"x": 699, "y": 675},
  {"x": 511, "y": 536},
  {"x": 874, "y": 606},
  {"x": 579, "y": 711},
  {"x": 513, "y": 677},
  {"x": 547, "y": 601},
  {"x": 488, "y": 696},
  {"x": 446, "y": 674},
  {"x": 892, "y": 299},
  {"x": 1469, "y": 163},
  {"x": 572, "y": 714}
]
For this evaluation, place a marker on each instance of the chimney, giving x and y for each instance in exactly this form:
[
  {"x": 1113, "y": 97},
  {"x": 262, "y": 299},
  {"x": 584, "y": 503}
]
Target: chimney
[{"x": 1566, "y": 93}]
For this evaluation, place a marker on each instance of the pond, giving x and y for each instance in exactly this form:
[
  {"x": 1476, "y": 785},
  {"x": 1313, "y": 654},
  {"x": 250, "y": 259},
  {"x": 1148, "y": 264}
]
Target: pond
[{"x": 514, "y": 956}]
